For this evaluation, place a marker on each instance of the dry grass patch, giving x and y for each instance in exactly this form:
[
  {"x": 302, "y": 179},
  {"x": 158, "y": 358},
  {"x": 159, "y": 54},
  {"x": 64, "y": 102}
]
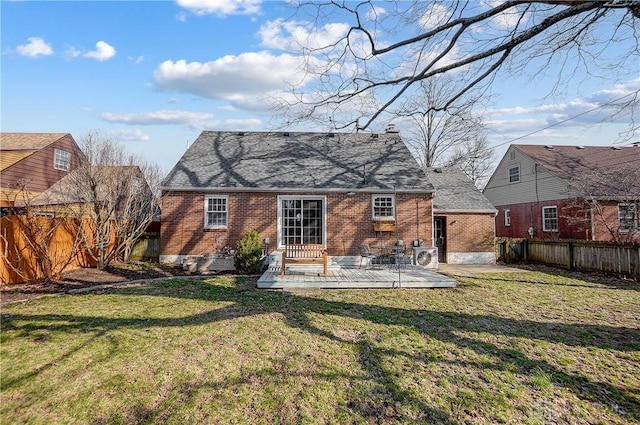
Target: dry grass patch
[{"x": 524, "y": 348}]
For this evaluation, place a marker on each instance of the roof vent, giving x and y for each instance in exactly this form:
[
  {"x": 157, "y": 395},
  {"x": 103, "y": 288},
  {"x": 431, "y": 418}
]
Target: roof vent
[
  {"x": 616, "y": 148},
  {"x": 286, "y": 134},
  {"x": 548, "y": 147},
  {"x": 437, "y": 170},
  {"x": 580, "y": 147},
  {"x": 374, "y": 135},
  {"x": 331, "y": 135},
  {"x": 241, "y": 133}
]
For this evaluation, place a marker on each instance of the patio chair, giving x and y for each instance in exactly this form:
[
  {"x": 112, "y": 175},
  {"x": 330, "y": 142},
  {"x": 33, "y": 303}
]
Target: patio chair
[
  {"x": 365, "y": 252},
  {"x": 400, "y": 257}
]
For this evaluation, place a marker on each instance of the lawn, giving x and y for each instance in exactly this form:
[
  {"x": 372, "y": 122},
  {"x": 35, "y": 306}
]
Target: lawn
[{"x": 520, "y": 348}]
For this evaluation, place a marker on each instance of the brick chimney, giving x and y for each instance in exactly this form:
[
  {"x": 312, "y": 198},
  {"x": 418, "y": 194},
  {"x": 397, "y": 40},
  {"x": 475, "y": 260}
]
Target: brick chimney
[{"x": 391, "y": 128}]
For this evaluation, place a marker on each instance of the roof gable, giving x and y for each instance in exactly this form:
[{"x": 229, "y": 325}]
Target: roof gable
[
  {"x": 27, "y": 141},
  {"x": 455, "y": 192},
  {"x": 297, "y": 161},
  {"x": 568, "y": 161}
]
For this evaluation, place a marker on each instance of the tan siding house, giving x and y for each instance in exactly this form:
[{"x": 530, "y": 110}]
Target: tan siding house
[{"x": 568, "y": 192}]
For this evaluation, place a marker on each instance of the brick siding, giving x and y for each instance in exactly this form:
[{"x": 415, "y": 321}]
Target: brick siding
[
  {"x": 469, "y": 232},
  {"x": 349, "y": 221}
]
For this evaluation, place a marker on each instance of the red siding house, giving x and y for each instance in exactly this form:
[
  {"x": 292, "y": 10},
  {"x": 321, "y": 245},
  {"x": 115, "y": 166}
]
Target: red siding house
[
  {"x": 30, "y": 163},
  {"x": 567, "y": 192},
  {"x": 338, "y": 190}
]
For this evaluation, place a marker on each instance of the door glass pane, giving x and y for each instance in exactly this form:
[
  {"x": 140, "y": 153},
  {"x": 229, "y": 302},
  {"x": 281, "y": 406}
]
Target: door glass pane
[{"x": 302, "y": 221}]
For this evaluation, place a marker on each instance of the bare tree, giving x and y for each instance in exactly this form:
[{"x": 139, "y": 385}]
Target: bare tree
[
  {"x": 475, "y": 158},
  {"x": 116, "y": 193},
  {"x": 381, "y": 55},
  {"x": 454, "y": 136},
  {"x": 610, "y": 197},
  {"x": 35, "y": 243}
]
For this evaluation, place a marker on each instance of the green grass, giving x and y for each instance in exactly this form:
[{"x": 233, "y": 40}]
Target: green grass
[{"x": 524, "y": 348}]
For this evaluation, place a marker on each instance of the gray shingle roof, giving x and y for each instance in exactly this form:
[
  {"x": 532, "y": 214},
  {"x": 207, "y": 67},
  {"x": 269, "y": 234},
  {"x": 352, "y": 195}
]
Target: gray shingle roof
[
  {"x": 456, "y": 193},
  {"x": 297, "y": 161}
]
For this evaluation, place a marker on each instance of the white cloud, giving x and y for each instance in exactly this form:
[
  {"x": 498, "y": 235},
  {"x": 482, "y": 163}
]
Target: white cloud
[
  {"x": 137, "y": 60},
  {"x": 103, "y": 52},
  {"x": 578, "y": 114},
  {"x": 36, "y": 47},
  {"x": 437, "y": 14},
  {"x": 161, "y": 117},
  {"x": 375, "y": 13},
  {"x": 221, "y": 7},
  {"x": 182, "y": 17},
  {"x": 134, "y": 135},
  {"x": 294, "y": 35},
  {"x": 246, "y": 80},
  {"x": 193, "y": 120}
]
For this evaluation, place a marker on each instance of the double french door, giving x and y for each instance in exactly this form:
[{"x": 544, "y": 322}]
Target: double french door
[{"x": 302, "y": 220}]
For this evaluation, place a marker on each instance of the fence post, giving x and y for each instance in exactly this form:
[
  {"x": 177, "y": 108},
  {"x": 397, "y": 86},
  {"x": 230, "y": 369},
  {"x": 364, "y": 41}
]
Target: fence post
[{"x": 570, "y": 256}]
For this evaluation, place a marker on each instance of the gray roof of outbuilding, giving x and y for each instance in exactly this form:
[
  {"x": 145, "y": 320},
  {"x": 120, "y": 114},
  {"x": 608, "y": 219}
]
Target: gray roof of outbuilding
[
  {"x": 280, "y": 161},
  {"x": 455, "y": 192}
]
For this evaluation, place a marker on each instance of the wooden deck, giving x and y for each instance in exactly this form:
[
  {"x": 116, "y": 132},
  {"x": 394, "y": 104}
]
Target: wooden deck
[{"x": 353, "y": 277}]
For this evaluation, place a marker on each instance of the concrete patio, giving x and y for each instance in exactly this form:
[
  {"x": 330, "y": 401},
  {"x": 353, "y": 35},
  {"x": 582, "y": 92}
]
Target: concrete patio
[{"x": 353, "y": 276}]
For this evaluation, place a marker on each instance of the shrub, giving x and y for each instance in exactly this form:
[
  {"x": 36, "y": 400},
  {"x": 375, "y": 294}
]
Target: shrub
[{"x": 248, "y": 256}]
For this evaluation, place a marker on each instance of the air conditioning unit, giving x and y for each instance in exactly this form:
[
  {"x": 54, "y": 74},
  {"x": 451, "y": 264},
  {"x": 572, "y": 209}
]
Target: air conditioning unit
[{"x": 426, "y": 257}]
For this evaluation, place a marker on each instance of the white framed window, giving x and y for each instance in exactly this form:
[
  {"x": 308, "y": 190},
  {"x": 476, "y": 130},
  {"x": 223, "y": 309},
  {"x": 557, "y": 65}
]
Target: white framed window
[
  {"x": 628, "y": 216},
  {"x": 216, "y": 211},
  {"x": 512, "y": 155},
  {"x": 301, "y": 219},
  {"x": 383, "y": 207},
  {"x": 61, "y": 160},
  {"x": 507, "y": 217},
  {"x": 550, "y": 219},
  {"x": 513, "y": 174}
]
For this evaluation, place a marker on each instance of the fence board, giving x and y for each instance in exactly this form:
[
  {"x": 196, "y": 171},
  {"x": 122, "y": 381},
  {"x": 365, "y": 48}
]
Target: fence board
[{"x": 608, "y": 257}]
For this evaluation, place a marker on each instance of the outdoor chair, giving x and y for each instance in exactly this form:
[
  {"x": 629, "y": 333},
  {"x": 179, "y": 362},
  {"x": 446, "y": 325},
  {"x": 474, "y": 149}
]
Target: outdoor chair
[
  {"x": 365, "y": 252},
  {"x": 399, "y": 256}
]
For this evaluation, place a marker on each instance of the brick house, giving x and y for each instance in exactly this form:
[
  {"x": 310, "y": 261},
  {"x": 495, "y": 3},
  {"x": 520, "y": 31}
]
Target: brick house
[
  {"x": 567, "y": 192},
  {"x": 30, "y": 163},
  {"x": 463, "y": 219},
  {"x": 339, "y": 190}
]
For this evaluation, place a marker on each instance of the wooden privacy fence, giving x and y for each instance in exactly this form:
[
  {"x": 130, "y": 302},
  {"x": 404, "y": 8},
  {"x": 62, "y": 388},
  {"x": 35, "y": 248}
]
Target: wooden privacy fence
[
  {"x": 20, "y": 260},
  {"x": 608, "y": 257},
  {"x": 147, "y": 248}
]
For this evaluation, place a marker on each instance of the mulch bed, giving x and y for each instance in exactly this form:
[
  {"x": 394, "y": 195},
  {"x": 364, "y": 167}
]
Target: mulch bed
[{"x": 83, "y": 278}]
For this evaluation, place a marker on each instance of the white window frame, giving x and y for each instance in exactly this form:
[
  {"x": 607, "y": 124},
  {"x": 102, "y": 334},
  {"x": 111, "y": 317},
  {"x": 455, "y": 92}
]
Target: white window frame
[
  {"x": 377, "y": 196},
  {"x": 516, "y": 167},
  {"x": 61, "y": 159},
  {"x": 545, "y": 228},
  {"x": 507, "y": 218},
  {"x": 321, "y": 198},
  {"x": 634, "y": 223},
  {"x": 206, "y": 211}
]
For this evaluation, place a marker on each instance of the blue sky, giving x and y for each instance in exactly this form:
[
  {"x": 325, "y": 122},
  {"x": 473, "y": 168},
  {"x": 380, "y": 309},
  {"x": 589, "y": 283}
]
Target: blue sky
[{"x": 154, "y": 74}]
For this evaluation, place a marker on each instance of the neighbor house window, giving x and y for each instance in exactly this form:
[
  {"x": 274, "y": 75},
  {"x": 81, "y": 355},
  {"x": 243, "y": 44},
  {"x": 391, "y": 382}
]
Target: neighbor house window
[
  {"x": 216, "y": 211},
  {"x": 507, "y": 217},
  {"x": 628, "y": 216},
  {"x": 384, "y": 207},
  {"x": 61, "y": 160},
  {"x": 550, "y": 219},
  {"x": 514, "y": 174}
]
